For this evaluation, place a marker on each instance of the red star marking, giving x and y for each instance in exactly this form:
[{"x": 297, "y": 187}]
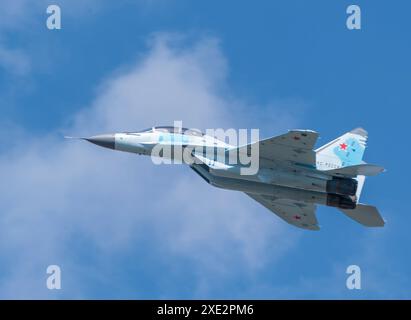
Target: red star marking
[
  {"x": 296, "y": 138},
  {"x": 297, "y": 217},
  {"x": 343, "y": 146}
]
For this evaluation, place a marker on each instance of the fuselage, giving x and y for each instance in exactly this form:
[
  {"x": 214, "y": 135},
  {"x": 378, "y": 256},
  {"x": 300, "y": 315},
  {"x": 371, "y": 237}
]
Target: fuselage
[{"x": 211, "y": 162}]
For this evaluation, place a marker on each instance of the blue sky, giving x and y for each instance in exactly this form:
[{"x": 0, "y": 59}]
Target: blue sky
[{"x": 121, "y": 227}]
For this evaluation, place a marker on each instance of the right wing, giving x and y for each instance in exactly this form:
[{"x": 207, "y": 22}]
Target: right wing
[
  {"x": 295, "y": 145},
  {"x": 297, "y": 213}
]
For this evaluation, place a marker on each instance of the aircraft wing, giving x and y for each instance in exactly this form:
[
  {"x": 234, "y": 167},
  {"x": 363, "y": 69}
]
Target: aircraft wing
[
  {"x": 296, "y": 146},
  {"x": 299, "y": 214}
]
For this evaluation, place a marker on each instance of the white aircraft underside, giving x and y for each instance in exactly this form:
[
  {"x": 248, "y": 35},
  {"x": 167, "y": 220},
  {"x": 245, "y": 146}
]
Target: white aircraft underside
[{"x": 291, "y": 179}]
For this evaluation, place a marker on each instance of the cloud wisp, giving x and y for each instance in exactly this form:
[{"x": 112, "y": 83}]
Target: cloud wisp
[{"x": 94, "y": 212}]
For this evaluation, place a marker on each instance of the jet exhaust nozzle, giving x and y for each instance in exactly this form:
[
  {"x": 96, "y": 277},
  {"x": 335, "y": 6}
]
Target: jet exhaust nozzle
[
  {"x": 342, "y": 186},
  {"x": 341, "y": 201}
]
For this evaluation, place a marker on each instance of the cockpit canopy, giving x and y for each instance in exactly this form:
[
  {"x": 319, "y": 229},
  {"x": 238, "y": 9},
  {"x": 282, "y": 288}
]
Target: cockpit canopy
[{"x": 170, "y": 129}]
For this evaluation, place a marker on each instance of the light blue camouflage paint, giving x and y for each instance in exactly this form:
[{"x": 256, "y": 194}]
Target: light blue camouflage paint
[
  {"x": 173, "y": 138},
  {"x": 353, "y": 153}
]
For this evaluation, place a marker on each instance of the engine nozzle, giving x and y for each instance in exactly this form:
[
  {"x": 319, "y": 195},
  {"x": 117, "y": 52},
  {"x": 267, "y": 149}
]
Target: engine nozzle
[
  {"x": 342, "y": 186},
  {"x": 341, "y": 201}
]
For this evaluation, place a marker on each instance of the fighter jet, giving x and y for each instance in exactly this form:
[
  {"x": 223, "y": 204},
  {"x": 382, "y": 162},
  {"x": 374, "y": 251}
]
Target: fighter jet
[{"x": 292, "y": 177}]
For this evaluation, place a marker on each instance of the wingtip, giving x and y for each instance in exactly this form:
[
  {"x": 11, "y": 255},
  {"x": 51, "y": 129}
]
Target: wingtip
[
  {"x": 302, "y": 130},
  {"x": 379, "y": 169}
]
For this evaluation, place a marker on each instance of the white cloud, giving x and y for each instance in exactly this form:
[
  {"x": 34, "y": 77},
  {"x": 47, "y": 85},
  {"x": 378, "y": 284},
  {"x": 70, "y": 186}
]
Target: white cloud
[
  {"x": 78, "y": 206},
  {"x": 14, "y": 61}
]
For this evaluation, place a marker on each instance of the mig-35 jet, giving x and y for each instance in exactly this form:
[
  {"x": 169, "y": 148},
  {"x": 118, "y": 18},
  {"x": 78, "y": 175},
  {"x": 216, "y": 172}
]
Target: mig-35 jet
[{"x": 292, "y": 177}]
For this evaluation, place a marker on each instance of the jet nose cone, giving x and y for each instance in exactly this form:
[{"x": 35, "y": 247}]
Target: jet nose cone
[{"x": 103, "y": 140}]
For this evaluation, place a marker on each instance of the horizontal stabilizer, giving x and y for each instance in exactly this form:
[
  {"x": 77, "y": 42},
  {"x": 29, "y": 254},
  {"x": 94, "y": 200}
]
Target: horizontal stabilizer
[
  {"x": 366, "y": 215},
  {"x": 353, "y": 171}
]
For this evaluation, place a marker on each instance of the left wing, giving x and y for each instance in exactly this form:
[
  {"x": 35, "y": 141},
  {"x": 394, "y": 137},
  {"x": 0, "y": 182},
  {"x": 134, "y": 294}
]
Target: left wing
[
  {"x": 299, "y": 214},
  {"x": 296, "y": 146}
]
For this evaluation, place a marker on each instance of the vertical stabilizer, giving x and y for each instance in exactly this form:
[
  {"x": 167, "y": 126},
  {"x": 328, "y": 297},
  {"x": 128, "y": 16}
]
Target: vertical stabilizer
[{"x": 347, "y": 150}]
